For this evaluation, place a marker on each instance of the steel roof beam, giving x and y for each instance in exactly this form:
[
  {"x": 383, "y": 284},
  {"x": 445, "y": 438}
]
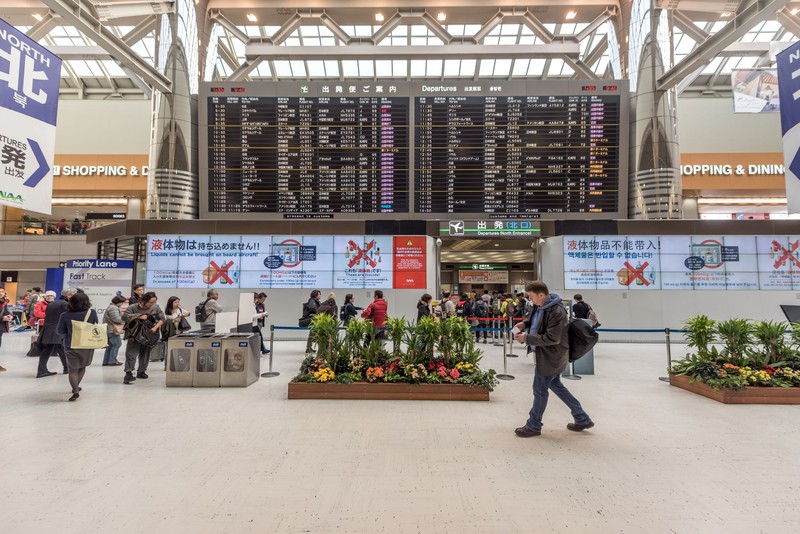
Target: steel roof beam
[
  {"x": 286, "y": 30},
  {"x": 748, "y": 16},
  {"x": 232, "y": 28},
  {"x": 438, "y": 30},
  {"x": 790, "y": 22},
  {"x": 452, "y": 51},
  {"x": 334, "y": 27},
  {"x": 42, "y": 27},
  {"x": 688, "y": 27},
  {"x": 141, "y": 30},
  {"x": 386, "y": 28},
  {"x": 596, "y": 53},
  {"x": 580, "y": 68},
  {"x": 537, "y": 27},
  {"x": 596, "y": 23},
  {"x": 78, "y": 13},
  {"x": 488, "y": 26},
  {"x": 247, "y": 67}
]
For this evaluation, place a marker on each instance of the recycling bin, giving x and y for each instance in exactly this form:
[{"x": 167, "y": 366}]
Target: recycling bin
[
  {"x": 180, "y": 354},
  {"x": 241, "y": 360},
  {"x": 206, "y": 361}
]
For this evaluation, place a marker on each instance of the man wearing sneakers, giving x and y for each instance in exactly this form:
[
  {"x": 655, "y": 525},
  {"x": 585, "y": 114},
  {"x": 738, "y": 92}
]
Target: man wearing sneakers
[
  {"x": 151, "y": 316},
  {"x": 545, "y": 332}
]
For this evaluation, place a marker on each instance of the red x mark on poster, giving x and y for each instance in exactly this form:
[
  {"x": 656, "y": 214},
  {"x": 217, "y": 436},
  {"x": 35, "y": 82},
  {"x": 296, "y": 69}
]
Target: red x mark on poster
[
  {"x": 220, "y": 272},
  {"x": 360, "y": 254},
  {"x": 785, "y": 254},
  {"x": 634, "y": 274}
]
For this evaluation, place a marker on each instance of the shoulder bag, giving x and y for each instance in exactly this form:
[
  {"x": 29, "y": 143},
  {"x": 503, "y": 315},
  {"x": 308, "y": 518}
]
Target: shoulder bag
[{"x": 86, "y": 335}]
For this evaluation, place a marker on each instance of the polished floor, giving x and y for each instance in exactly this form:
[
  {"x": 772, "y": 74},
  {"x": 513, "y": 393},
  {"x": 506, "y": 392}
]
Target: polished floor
[{"x": 146, "y": 458}]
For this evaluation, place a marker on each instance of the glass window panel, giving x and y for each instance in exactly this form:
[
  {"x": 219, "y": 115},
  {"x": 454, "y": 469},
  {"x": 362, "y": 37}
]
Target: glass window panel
[
  {"x": 417, "y": 68},
  {"x": 419, "y": 41},
  {"x": 114, "y": 69},
  {"x": 331, "y": 68},
  {"x": 568, "y": 29},
  {"x": 298, "y": 68},
  {"x": 316, "y": 69},
  {"x": 486, "y": 68},
  {"x": 471, "y": 29},
  {"x": 349, "y": 68},
  {"x": 400, "y": 67},
  {"x": 550, "y": 27},
  {"x": 764, "y": 37},
  {"x": 508, "y": 40},
  {"x": 468, "y": 67},
  {"x": 309, "y": 31},
  {"x": 711, "y": 68},
  {"x": 324, "y": 31},
  {"x": 364, "y": 31},
  {"x": 452, "y": 67},
  {"x": 509, "y": 29},
  {"x": 263, "y": 70},
  {"x": 311, "y": 41},
  {"x": 556, "y": 67},
  {"x": 536, "y": 67},
  {"x": 502, "y": 67},
  {"x": 456, "y": 29},
  {"x": 366, "y": 67},
  {"x": 521, "y": 67},
  {"x": 434, "y": 67},
  {"x": 528, "y": 40},
  {"x": 291, "y": 41},
  {"x": 383, "y": 68},
  {"x": 327, "y": 41},
  {"x": 79, "y": 67},
  {"x": 283, "y": 69},
  {"x": 419, "y": 30}
]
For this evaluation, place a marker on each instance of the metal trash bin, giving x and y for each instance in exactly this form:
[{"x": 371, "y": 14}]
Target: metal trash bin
[
  {"x": 241, "y": 360},
  {"x": 206, "y": 361},
  {"x": 180, "y": 358}
]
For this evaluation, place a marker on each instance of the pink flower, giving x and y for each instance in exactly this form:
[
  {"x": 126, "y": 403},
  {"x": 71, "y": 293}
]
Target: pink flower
[
  {"x": 441, "y": 371},
  {"x": 454, "y": 373}
]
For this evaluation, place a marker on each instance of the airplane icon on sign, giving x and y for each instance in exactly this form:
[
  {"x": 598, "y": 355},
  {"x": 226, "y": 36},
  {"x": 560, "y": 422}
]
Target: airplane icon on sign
[{"x": 456, "y": 228}]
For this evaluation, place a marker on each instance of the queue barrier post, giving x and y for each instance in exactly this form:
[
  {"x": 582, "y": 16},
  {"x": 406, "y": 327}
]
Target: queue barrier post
[
  {"x": 669, "y": 356},
  {"x": 505, "y": 375},
  {"x": 271, "y": 373},
  {"x": 510, "y": 338}
]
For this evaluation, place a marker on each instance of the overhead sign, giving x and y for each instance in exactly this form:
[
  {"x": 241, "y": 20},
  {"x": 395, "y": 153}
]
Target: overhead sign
[
  {"x": 789, "y": 76},
  {"x": 482, "y": 277},
  {"x": 490, "y": 228},
  {"x": 755, "y": 91},
  {"x": 29, "y": 80}
]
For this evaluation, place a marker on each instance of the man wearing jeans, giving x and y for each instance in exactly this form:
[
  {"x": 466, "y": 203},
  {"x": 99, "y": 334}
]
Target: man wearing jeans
[{"x": 545, "y": 332}]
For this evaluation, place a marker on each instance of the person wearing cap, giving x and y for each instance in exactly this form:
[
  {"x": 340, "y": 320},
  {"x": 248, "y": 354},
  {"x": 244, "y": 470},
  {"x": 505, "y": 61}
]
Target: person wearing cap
[
  {"x": 49, "y": 339},
  {"x": 41, "y": 307}
]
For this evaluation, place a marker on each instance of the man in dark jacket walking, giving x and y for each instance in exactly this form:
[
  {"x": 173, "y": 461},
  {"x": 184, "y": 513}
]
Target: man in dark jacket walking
[
  {"x": 49, "y": 339},
  {"x": 545, "y": 332}
]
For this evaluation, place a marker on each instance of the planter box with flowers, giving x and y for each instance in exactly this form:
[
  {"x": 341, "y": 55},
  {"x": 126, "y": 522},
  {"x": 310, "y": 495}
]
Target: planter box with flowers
[
  {"x": 428, "y": 360},
  {"x": 759, "y": 362}
]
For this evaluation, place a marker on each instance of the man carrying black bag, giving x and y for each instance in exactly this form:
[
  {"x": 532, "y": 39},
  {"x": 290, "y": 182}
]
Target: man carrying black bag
[
  {"x": 545, "y": 332},
  {"x": 142, "y": 323}
]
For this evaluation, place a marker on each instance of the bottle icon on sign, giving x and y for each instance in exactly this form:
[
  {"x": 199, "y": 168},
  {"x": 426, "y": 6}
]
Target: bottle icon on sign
[
  {"x": 639, "y": 281},
  {"x": 378, "y": 254},
  {"x": 347, "y": 252}
]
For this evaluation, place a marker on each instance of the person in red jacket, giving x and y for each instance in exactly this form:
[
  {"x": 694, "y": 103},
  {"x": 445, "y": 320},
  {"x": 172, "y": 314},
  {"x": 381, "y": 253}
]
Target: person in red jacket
[
  {"x": 376, "y": 312},
  {"x": 40, "y": 308}
]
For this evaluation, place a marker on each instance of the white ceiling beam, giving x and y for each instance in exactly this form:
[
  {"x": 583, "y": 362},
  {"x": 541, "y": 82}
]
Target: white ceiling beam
[
  {"x": 387, "y": 28},
  {"x": 748, "y": 16},
  {"x": 390, "y": 4},
  {"x": 580, "y": 68},
  {"x": 688, "y": 27},
  {"x": 78, "y": 13},
  {"x": 232, "y": 28},
  {"x": 790, "y": 22},
  {"x": 596, "y": 23},
  {"x": 141, "y": 30},
  {"x": 334, "y": 27},
  {"x": 246, "y": 68},
  {"x": 437, "y": 29},
  {"x": 42, "y": 27},
  {"x": 597, "y": 52},
  {"x": 452, "y": 51},
  {"x": 488, "y": 26},
  {"x": 286, "y": 29},
  {"x": 537, "y": 27}
]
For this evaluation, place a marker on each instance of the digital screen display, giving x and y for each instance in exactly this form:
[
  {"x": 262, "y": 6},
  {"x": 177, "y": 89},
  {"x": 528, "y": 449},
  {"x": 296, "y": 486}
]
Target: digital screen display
[
  {"x": 378, "y": 149},
  {"x": 682, "y": 262}
]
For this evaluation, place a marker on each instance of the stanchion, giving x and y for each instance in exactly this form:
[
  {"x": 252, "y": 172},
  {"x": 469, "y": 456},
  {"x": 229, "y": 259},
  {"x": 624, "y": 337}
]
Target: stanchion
[
  {"x": 498, "y": 339},
  {"x": 505, "y": 375},
  {"x": 271, "y": 373},
  {"x": 669, "y": 357},
  {"x": 510, "y": 339}
]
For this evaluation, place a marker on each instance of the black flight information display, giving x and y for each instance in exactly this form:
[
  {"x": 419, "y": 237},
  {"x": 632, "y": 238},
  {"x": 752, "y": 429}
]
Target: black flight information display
[
  {"x": 513, "y": 155},
  {"x": 461, "y": 149},
  {"x": 307, "y": 156}
]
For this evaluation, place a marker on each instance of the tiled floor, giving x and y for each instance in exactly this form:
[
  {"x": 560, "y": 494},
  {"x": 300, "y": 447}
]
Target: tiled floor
[{"x": 144, "y": 458}]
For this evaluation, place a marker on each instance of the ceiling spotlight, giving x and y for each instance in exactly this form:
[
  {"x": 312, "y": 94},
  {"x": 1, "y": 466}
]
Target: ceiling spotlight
[
  {"x": 378, "y": 17},
  {"x": 725, "y": 14},
  {"x": 441, "y": 17},
  {"x": 39, "y": 17},
  {"x": 251, "y": 17},
  {"x": 571, "y": 14}
]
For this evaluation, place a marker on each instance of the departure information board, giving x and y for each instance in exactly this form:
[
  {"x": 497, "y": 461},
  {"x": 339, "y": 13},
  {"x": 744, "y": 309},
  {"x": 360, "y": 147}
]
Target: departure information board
[
  {"x": 516, "y": 155},
  {"x": 397, "y": 150}
]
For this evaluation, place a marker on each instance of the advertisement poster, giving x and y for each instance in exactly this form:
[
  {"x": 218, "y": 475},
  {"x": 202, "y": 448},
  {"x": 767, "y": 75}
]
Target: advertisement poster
[
  {"x": 101, "y": 280},
  {"x": 682, "y": 262},
  {"x": 286, "y": 262},
  {"x": 29, "y": 80},
  {"x": 482, "y": 277},
  {"x": 755, "y": 91}
]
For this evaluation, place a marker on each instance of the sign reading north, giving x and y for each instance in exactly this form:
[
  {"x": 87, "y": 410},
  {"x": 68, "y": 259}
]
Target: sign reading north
[
  {"x": 287, "y": 262},
  {"x": 682, "y": 262},
  {"x": 29, "y": 79}
]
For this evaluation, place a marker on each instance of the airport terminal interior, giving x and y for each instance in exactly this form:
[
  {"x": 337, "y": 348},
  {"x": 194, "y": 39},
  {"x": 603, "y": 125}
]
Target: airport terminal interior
[{"x": 321, "y": 265}]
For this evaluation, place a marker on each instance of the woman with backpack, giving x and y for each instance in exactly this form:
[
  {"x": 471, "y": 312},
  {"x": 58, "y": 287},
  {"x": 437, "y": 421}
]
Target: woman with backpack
[
  {"x": 349, "y": 309},
  {"x": 258, "y": 318}
]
